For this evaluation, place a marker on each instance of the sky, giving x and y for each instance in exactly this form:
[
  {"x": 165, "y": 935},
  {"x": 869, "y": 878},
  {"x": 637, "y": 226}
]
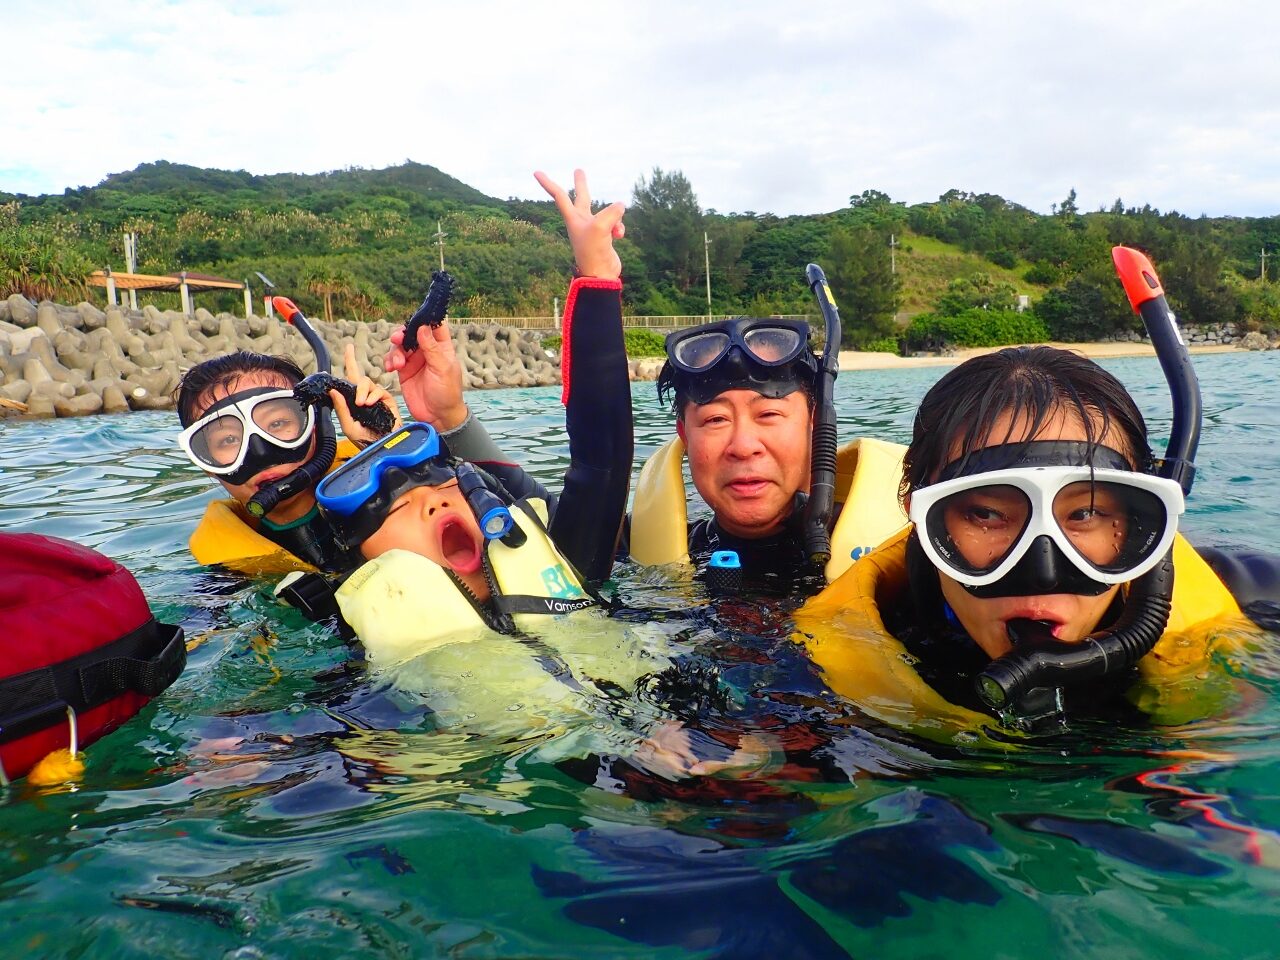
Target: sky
[{"x": 778, "y": 107}]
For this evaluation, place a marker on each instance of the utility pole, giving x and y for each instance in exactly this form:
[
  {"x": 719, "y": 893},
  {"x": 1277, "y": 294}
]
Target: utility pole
[
  {"x": 1262, "y": 274},
  {"x": 893, "y": 260},
  {"x": 706, "y": 257},
  {"x": 440, "y": 235},
  {"x": 131, "y": 264}
]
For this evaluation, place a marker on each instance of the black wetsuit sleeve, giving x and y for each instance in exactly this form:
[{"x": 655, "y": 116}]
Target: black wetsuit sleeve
[{"x": 597, "y": 399}]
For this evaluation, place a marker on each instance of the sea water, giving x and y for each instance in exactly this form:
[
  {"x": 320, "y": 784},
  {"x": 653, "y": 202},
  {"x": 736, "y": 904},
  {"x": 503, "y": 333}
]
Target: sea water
[{"x": 280, "y": 800}]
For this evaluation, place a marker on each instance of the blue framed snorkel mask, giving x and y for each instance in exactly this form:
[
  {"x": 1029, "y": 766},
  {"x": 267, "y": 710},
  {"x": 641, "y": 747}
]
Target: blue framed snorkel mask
[{"x": 358, "y": 495}]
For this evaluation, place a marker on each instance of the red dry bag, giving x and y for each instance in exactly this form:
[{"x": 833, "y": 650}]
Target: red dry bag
[{"x": 76, "y": 632}]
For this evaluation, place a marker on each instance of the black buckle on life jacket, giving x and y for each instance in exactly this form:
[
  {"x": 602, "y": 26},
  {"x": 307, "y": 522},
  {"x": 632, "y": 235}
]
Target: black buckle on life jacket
[{"x": 315, "y": 597}]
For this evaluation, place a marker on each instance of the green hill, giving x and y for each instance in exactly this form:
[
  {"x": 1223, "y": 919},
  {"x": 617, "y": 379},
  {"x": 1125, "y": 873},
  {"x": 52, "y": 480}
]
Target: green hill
[
  {"x": 927, "y": 265},
  {"x": 364, "y": 241}
]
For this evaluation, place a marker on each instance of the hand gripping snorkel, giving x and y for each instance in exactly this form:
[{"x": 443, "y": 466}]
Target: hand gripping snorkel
[
  {"x": 1021, "y": 684},
  {"x": 822, "y": 485},
  {"x": 310, "y": 473}
]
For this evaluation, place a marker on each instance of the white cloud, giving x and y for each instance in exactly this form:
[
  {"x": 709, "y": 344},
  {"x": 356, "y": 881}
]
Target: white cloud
[{"x": 763, "y": 106}]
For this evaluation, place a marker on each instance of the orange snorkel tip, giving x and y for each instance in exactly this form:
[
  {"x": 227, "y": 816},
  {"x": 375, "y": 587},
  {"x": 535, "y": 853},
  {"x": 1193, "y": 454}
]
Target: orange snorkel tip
[
  {"x": 286, "y": 308},
  {"x": 1137, "y": 274}
]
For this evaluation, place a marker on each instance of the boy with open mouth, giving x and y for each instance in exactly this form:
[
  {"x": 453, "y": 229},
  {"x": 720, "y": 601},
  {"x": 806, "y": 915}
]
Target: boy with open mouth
[{"x": 487, "y": 543}]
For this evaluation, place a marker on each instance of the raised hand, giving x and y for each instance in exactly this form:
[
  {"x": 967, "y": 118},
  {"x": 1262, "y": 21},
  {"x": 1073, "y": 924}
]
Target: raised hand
[
  {"x": 368, "y": 393},
  {"x": 590, "y": 235},
  {"x": 430, "y": 377}
]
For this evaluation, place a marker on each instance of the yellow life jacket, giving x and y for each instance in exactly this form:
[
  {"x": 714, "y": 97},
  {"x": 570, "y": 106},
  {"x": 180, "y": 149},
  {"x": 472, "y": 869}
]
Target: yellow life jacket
[
  {"x": 228, "y": 536},
  {"x": 867, "y": 476},
  {"x": 401, "y": 604},
  {"x": 844, "y": 633},
  {"x": 424, "y": 635}
]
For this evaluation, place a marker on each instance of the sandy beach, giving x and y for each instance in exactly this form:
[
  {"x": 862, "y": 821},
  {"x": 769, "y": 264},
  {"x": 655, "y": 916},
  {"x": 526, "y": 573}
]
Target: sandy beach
[{"x": 861, "y": 360}]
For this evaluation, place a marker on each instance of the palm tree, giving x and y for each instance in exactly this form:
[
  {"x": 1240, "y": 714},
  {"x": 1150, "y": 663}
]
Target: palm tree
[{"x": 327, "y": 282}]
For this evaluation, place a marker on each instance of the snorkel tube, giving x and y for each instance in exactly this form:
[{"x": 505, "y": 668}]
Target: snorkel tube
[
  {"x": 822, "y": 485},
  {"x": 1147, "y": 298},
  {"x": 310, "y": 473},
  {"x": 1020, "y": 686}
]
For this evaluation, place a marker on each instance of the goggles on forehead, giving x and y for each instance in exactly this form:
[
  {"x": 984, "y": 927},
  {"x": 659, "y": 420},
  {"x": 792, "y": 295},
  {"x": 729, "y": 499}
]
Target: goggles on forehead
[
  {"x": 769, "y": 355},
  {"x": 358, "y": 495},
  {"x": 768, "y": 341},
  {"x": 1111, "y": 524},
  {"x": 224, "y": 438}
]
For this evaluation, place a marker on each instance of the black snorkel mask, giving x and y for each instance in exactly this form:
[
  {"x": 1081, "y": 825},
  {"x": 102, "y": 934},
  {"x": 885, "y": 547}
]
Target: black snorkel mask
[
  {"x": 1024, "y": 687},
  {"x": 766, "y": 355}
]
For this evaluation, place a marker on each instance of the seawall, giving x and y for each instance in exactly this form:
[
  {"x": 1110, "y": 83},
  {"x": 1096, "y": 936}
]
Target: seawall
[{"x": 59, "y": 360}]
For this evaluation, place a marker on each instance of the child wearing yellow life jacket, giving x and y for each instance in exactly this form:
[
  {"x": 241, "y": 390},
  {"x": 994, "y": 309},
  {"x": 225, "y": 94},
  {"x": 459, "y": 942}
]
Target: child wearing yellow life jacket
[
  {"x": 1038, "y": 577},
  {"x": 460, "y": 555}
]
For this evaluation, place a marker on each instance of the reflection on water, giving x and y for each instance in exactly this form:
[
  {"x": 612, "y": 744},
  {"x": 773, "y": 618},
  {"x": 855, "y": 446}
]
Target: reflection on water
[{"x": 283, "y": 800}]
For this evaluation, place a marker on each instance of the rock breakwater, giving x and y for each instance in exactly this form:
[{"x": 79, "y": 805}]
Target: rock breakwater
[{"x": 59, "y": 360}]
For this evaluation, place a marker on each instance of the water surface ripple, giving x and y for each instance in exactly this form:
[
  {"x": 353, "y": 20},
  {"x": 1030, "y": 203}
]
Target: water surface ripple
[{"x": 279, "y": 801}]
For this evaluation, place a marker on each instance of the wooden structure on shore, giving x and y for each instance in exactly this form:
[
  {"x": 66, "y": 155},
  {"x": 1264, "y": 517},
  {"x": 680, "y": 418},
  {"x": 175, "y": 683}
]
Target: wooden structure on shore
[{"x": 184, "y": 283}]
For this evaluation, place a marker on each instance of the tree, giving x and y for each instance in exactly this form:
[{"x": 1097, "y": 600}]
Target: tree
[
  {"x": 1192, "y": 273},
  {"x": 327, "y": 281},
  {"x": 1084, "y": 309},
  {"x": 874, "y": 208},
  {"x": 980, "y": 291},
  {"x": 666, "y": 223},
  {"x": 864, "y": 285}
]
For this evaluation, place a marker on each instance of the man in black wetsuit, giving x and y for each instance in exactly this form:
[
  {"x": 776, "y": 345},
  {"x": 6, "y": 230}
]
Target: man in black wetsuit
[{"x": 742, "y": 393}]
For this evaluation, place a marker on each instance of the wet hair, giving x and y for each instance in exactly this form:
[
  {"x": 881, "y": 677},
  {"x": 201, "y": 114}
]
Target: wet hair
[
  {"x": 220, "y": 372},
  {"x": 959, "y": 413},
  {"x": 958, "y": 416}
]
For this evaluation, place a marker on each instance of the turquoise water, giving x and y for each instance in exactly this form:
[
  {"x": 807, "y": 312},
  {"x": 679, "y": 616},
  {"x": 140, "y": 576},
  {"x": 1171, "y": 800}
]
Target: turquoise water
[{"x": 279, "y": 801}]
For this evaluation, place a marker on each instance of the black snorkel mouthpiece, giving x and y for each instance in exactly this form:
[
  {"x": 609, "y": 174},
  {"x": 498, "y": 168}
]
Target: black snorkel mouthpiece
[
  {"x": 1039, "y": 661},
  {"x": 493, "y": 516},
  {"x": 310, "y": 473},
  {"x": 822, "y": 484},
  {"x": 1017, "y": 680}
]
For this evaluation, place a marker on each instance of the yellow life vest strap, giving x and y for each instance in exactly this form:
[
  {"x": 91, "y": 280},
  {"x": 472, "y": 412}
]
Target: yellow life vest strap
[
  {"x": 659, "y": 513},
  {"x": 569, "y": 592}
]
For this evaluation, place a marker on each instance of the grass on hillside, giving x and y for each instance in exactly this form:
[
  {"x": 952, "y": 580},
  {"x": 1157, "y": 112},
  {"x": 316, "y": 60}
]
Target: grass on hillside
[{"x": 927, "y": 265}]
